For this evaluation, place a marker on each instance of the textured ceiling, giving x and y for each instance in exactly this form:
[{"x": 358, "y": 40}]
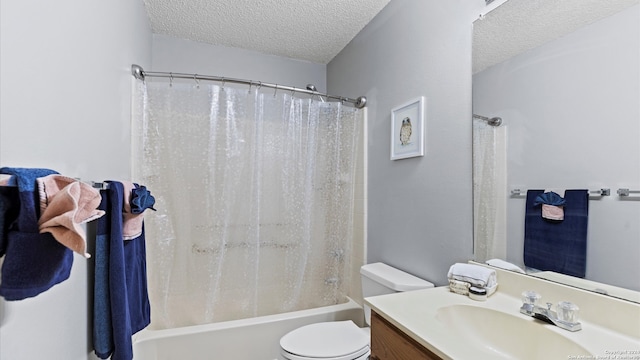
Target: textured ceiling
[
  {"x": 317, "y": 30},
  {"x": 313, "y": 30},
  {"x": 520, "y": 25}
]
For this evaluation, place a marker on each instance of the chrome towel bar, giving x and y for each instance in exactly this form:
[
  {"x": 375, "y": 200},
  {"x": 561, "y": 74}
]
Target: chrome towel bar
[
  {"x": 627, "y": 192},
  {"x": 595, "y": 192}
]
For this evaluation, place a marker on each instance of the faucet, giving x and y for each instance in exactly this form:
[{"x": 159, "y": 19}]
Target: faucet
[{"x": 564, "y": 318}]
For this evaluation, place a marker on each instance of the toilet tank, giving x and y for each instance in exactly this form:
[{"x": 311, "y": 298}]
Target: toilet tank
[{"x": 380, "y": 279}]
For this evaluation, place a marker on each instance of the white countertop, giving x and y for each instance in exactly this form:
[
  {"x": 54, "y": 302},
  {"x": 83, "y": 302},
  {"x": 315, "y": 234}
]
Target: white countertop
[{"x": 417, "y": 314}]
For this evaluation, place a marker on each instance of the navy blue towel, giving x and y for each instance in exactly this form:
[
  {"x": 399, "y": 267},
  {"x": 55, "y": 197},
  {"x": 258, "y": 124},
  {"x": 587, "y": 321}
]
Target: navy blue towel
[
  {"x": 121, "y": 302},
  {"x": 9, "y": 209},
  {"x": 559, "y": 246},
  {"x": 33, "y": 262}
]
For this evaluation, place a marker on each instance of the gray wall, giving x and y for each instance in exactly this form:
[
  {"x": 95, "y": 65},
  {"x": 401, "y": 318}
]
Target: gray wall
[
  {"x": 65, "y": 104},
  {"x": 178, "y": 55},
  {"x": 419, "y": 209}
]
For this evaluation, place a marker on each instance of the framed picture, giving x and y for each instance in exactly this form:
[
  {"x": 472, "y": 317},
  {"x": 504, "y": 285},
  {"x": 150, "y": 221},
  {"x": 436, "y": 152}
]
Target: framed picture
[{"x": 407, "y": 130}]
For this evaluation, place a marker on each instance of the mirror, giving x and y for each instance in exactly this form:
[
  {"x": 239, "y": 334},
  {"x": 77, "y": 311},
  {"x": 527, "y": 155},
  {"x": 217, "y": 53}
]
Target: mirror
[{"x": 564, "y": 78}]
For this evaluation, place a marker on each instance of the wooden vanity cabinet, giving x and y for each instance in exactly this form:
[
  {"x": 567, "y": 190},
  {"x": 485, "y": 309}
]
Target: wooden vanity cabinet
[{"x": 389, "y": 343}]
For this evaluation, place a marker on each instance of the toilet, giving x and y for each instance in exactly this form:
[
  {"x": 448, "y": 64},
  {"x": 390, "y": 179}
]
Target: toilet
[{"x": 344, "y": 340}]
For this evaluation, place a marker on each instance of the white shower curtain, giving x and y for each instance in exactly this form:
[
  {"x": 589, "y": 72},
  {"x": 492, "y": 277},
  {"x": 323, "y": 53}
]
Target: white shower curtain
[
  {"x": 254, "y": 192},
  {"x": 489, "y": 191}
]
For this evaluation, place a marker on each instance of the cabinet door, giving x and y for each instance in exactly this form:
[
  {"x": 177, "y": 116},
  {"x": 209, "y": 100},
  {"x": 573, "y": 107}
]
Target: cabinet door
[{"x": 389, "y": 343}]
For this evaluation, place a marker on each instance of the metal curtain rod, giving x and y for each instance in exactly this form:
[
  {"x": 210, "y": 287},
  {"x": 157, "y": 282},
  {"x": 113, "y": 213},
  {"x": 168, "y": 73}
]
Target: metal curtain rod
[
  {"x": 494, "y": 121},
  {"x": 140, "y": 74}
]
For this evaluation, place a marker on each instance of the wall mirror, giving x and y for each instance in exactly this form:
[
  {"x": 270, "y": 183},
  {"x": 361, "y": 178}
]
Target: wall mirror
[{"x": 564, "y": 78}]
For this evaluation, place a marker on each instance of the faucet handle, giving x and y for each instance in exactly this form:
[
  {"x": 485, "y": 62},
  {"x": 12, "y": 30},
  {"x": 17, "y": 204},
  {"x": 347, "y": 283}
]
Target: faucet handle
[
  {"x": 567, "y": 312},
  {"x": 530, "y": 297},
  {"x": 549, "y": 305}
]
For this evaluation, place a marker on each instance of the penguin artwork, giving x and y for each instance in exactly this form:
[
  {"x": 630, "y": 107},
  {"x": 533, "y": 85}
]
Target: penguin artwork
[{"x": 405, "y": 131}]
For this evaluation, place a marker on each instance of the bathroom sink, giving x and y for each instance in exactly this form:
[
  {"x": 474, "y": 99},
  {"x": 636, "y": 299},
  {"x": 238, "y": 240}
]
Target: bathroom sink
[{"x": 500, "y": 335}]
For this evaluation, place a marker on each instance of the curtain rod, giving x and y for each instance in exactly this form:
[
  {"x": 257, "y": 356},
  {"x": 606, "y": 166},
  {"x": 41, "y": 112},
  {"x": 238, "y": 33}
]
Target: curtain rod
[
  {"x": 140, "y": 74},
  {"x": 494, "y": 121}
]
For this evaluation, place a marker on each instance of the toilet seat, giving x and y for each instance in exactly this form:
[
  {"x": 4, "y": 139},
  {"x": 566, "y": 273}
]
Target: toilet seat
[{"x": 335, "y": 340}]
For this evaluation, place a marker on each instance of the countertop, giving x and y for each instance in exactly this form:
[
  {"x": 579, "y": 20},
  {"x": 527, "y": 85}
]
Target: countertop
[{"x": 417, "y": 314}]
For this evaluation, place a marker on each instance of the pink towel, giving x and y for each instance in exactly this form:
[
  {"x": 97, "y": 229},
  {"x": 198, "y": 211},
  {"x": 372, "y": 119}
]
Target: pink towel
[
  {"x": 66, "y": 204},
  {"x": 131, "y": 223},
  {"x": 552, "y": 212},
  {"x": 5, "y": 179}
]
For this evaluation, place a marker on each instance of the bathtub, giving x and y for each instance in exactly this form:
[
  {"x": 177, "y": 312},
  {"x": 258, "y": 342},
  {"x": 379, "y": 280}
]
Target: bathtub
[{"x": 247, "y": 339}]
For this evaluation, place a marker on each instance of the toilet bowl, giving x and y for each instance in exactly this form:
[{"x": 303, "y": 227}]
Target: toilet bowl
[
  {"x": 335, "y": 340},
  {"x": 344, "y": 340}
]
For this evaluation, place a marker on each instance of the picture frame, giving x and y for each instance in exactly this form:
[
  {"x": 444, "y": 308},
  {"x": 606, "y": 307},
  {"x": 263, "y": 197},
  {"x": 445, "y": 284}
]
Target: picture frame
[{"x": 407, "y": 129}]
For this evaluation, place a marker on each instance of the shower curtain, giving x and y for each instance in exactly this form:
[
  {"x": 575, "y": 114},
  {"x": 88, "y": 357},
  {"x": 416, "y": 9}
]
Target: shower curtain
[
  {"x": 254, "y": 192},
  {"x": 489, "y": 191}
]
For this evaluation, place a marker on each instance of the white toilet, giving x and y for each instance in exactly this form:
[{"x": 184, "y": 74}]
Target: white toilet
[{"x": 344, "y": 340}]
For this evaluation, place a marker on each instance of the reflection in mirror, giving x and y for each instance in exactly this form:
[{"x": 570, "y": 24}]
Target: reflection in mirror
[{"x": 569, "y": 98}]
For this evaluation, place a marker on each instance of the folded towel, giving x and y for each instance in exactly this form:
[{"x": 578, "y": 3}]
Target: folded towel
[
  {"x": 550, "y": 198},
  {"x": 136, "y": 200},
  {"x": 66, "y": 205},
  {"x": 552, "y": 205},
  {"x": 121, "y": 303},
  {"x": 475, "y": 275},
  {"x": 7, "y": 180},
  {"x": 141, "y": 199},
  {"x": 559, "y": 246},
  {"x": 33, "y": 262},
  {"x": 499, "y": 263},
  {"x": 552, "y": 212}
]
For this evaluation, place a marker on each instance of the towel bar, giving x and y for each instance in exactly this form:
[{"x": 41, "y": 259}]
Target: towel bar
[
  {"x": 627, "y": 192},
  {"x": 100, "y": 185},
  {"x": 596, "y": 192}
]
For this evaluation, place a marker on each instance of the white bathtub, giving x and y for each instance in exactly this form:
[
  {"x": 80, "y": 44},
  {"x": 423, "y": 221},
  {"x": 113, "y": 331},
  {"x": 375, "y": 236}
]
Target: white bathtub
[{"x": 247, "y": 339}]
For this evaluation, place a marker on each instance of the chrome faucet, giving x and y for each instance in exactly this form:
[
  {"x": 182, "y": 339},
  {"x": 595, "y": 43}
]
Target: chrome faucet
[{"x": 565, "y": 317}]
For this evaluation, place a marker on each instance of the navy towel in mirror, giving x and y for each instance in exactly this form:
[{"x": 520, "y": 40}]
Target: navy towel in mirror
[{"x": 559, "y": 246}]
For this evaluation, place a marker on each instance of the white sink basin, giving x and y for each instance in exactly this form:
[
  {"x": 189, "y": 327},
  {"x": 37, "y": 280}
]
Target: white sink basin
[{"x": 499, "y": 335}]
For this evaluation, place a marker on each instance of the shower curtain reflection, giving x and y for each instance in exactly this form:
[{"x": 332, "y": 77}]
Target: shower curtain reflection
[
  {"x": 255, "y": 200},
  {"x": 489, "y": 191}
]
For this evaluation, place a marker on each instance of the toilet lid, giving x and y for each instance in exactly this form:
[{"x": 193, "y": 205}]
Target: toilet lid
[{"x": 333, "y": 339}]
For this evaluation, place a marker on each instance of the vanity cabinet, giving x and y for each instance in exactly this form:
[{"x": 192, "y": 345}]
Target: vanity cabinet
[{"x": 390, "y": 343}]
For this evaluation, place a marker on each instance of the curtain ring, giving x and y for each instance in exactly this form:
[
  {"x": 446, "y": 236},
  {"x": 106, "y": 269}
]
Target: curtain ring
[
  {"x": 223, "y": 80},
  {"x": 170, "y": 79},
  {"x": 250, "y": 83},
  {"x": 274, "y": 93},
  {"x": 195, "y": 78}
]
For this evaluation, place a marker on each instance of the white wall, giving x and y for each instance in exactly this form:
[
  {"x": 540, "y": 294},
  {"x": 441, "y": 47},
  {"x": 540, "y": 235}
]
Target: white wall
[
  {"x": 178, "y": 55},
  {"x": 419, "y": 209},
  {"x": 572, "y": 110},
  {"x": 65, "y": 105}
]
